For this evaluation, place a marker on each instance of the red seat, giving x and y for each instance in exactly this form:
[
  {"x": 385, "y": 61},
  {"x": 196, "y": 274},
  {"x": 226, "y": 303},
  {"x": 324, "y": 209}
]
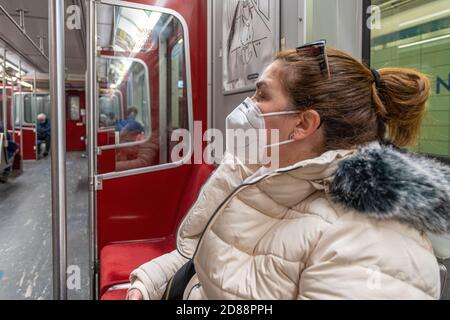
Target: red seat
[
  {"x": 119, "y": 260},
  {"x": 115, "y": 295}
]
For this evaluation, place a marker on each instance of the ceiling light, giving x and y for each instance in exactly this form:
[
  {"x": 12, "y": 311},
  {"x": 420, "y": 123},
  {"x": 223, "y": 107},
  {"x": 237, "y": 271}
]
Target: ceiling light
[{"x": 423, "y": 41}]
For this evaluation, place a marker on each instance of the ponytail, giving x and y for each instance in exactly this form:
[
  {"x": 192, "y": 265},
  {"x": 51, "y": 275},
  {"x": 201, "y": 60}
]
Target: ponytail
[{"x": 400, "y": 100}]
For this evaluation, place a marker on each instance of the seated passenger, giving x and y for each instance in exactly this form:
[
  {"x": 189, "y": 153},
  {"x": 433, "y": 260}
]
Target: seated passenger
[
  {"x": 345, "y": 216},
  {"x": 131, "y": 115},
  {"x": 12, "y": 146},
  {"x": 10, "y": 152},
  {"x": 43, "y": 134}
]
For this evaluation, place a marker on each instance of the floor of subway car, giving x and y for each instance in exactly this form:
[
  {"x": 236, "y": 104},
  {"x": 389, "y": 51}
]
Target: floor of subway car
[{"x": 26, "y": 234}]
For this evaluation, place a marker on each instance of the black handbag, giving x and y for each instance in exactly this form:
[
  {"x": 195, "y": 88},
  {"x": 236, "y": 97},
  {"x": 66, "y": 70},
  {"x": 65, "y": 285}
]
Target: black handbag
[{"x": 177, "y": 285}]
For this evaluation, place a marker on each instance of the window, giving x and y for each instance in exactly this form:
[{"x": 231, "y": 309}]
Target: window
[
  {"x": 27, "y": 109},
  {"x": 16, "y": 115},
  {"x": 33, "y": 104},
  {"x": 177, "y": 84},
  {"x": 143, "y": 62},
  {"x": 74, "y": 108},
  {"x": 43, "y": 104},
  {"x": 110, "y": 108},
  {"x": 119, "y": 78},
  {"x": 416, "y": 34}
]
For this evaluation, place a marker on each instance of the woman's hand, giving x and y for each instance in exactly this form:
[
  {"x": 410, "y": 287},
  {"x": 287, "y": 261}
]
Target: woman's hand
[{"x": 134, "y": 294}]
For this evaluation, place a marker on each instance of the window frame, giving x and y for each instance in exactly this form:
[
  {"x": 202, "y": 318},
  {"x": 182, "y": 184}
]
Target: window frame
[{"x": 366, "y": 34}]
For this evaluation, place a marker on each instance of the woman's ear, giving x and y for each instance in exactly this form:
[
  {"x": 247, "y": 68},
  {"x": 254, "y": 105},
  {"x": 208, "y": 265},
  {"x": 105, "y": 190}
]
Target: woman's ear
[{"x": 307, "y": 124}]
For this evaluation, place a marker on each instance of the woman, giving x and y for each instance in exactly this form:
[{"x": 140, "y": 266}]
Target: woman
[{"x": 345, "y": 217}]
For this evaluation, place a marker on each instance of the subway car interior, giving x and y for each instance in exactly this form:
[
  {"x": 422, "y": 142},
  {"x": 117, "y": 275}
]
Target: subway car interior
[{"x": 93, "y": 93}]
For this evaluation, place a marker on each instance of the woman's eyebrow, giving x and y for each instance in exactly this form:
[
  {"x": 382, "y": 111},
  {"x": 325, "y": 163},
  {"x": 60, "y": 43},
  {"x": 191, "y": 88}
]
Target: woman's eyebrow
[{"x": 261, "y": 84}]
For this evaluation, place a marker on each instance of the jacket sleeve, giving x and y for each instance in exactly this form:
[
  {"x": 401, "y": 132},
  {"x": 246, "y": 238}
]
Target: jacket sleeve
[
  {"x": 366, "y": 260},
  {"x": 152, "y": 277}
]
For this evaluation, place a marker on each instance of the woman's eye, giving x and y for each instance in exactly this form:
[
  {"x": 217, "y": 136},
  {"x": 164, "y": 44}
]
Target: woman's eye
[{"x": 259, "y": 97}]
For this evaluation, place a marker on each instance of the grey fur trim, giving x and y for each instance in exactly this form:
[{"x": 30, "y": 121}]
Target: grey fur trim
[{"x": 384, "y": 183}]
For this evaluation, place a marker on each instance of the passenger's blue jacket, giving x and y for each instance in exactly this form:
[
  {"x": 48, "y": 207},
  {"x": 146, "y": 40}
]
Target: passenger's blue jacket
[
  {"x": 129, "y": 124},
  {"x": 12, "y": 146},
  {"x": 43, "y": 129}
]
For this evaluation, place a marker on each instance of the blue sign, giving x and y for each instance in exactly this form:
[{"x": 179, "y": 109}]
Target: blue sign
[
  {"x": 1, "y": 275},
  {"x": 440, "y": 82}
]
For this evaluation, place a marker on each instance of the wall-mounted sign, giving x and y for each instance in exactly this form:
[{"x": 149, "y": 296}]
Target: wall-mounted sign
[{"x": 249, "y": 42}]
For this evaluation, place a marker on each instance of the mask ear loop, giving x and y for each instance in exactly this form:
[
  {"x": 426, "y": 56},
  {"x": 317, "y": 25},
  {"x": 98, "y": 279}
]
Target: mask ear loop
[
  {"x": 278, "y": 144},
  {"x": 281, "y": 113}
]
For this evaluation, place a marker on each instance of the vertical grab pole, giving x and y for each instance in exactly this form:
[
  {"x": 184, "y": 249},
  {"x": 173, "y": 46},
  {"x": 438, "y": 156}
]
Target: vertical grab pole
[
  {"x": 35, "y": 113},
  {"x": 91, "y": 88},
  {"x": 13, "y": 110},
  {"x": 58, "y": 146},
  {"x": 21, "y": 99},
  {"x": 4, "y": 99}
]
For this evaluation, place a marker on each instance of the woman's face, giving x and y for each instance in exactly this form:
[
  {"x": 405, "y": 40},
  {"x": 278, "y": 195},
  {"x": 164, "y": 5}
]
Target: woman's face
[{"x": 270, "y": 97}]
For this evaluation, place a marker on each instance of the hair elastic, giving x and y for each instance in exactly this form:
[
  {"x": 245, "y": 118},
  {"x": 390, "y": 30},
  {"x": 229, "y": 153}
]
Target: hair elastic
[{"x": 377, "y": 77}]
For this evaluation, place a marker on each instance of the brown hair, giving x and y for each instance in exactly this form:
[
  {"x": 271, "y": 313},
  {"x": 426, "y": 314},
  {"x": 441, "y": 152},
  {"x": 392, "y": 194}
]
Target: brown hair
[{"x": 354, "y": 110}]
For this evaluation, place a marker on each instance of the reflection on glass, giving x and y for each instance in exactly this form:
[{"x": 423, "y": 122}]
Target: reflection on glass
[
  {"x": 416, "y": 34},
  {"x": 124, "y": 94},
  {"x": 134, "y": 29},
  {"x": 110, "y": 108},
  {"x": 74, "y": 105},
  {"x": 143, "y": 89}
]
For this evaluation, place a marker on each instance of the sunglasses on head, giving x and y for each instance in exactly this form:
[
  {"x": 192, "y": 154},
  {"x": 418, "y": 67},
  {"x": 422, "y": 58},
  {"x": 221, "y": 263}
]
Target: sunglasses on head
[{"x": 317, "y": 50}]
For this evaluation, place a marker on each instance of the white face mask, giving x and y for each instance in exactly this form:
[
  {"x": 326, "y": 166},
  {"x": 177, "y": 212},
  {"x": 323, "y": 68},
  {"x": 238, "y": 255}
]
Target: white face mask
[{"x": 247, "y": 124}]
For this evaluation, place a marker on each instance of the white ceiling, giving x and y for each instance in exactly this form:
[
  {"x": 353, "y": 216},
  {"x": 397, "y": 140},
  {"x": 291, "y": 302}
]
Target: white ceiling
[{"x": 36, "y": 24}]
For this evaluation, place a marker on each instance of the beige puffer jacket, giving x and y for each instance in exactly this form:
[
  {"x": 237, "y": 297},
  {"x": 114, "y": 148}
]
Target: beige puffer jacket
[{"x": 350, "y": 224}]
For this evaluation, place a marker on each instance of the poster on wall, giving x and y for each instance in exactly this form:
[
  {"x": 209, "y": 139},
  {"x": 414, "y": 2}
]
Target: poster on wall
[{"x": 249, "y": 41}]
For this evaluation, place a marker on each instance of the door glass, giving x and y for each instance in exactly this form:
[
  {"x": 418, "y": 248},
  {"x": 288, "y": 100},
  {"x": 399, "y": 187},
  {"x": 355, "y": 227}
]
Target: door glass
[
  {"x": 27, "y": 109},
  {"x": 16, "y": 108},
  {"x": 43, "y": 104},
  {"x": 142, "y": 96},
  {"x": 74, "y": 108}
]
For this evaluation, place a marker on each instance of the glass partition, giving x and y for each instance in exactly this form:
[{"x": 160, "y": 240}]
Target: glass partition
[
  {"x": 30, "y": 110},
  {"x": 141, "y": 75}
]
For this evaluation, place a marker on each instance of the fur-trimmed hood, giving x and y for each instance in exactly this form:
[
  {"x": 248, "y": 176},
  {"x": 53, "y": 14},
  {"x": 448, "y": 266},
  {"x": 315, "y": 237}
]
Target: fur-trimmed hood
[{"x": 384, "y": 182}]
